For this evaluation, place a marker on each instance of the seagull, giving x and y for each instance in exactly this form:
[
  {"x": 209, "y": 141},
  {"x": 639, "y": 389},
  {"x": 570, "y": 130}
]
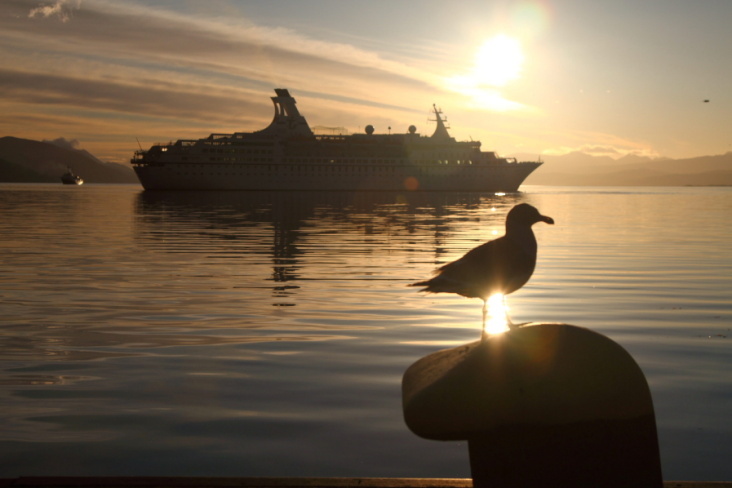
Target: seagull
[{"x": 500, "y": 266}]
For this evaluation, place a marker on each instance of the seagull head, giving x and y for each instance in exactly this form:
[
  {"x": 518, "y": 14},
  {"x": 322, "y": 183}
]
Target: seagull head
[{"x": 524, "y": 214}]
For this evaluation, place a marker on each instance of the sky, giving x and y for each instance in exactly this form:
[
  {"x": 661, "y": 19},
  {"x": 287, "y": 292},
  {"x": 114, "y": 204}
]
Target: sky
[{"x": 535, "y": 77}]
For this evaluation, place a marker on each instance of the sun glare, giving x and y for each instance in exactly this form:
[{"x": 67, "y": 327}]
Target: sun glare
[
  {"x": 497, "y": 62},
  {"x": 497, "y": 319}
]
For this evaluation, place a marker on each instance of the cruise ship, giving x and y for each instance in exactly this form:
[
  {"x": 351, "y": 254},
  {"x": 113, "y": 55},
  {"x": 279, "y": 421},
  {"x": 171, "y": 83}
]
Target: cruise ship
[{"x": 288, "y": 155}]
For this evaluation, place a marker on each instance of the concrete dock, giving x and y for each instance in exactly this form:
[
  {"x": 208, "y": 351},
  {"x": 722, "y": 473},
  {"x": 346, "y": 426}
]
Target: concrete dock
[{"x": 229, "y": 482}]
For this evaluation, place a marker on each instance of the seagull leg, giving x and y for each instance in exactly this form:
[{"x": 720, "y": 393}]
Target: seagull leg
[{"x": 485, "y": 314}]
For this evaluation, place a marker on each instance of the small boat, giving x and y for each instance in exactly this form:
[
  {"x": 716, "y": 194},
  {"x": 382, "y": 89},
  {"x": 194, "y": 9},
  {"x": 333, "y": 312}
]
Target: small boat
[{"x": 69, "y": 178}]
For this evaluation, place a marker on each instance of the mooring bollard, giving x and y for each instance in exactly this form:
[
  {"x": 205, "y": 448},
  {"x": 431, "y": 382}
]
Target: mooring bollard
[{"x": 540, "y": 405}]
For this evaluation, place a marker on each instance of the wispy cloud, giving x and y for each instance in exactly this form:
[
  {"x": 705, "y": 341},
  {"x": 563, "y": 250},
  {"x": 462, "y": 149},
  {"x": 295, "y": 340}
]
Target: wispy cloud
[
  {"x": 595, "y": 143},
  {"x": 133, "y": 34},
  {"x": 614, "y": 152},
  {"x": 124, "y": 61},
  {"x": 65, "y": 143},
  {"x": 63, "y": 9},
  {"x": 133, "y": 59}
]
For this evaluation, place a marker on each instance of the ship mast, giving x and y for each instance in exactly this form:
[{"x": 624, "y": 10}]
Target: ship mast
[{"x": 440, "y": 133}]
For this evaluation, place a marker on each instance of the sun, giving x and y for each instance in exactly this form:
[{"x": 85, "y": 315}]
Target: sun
[{"x": 498, "y": 61}]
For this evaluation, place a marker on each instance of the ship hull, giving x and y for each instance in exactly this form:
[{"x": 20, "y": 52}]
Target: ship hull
[
  {"x": 326, "y": 177},
  {"x": 69, "y": 179}
]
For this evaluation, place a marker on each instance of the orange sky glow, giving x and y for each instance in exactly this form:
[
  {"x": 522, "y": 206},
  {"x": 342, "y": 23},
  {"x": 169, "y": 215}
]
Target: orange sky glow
[{"x": 529, "y": 77}]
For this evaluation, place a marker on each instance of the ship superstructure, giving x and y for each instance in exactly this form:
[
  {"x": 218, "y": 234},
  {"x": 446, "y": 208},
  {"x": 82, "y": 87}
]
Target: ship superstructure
[{"x": 287, "y": 155}]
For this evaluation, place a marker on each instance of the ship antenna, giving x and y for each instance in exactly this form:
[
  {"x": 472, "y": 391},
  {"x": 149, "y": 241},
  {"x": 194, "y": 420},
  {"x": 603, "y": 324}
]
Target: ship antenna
[
  {"x": 438, "y": 116},
  {"x": 138, "y": 143}
]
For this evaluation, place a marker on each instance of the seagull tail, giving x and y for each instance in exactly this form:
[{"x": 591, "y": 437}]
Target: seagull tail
[
  {"x": 421, "y": 283},
  {"x": 436, "y": 285}
]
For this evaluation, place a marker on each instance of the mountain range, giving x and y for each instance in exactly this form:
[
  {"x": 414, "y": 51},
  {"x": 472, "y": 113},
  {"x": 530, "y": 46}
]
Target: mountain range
[
  {"x": 580, "y": 169},
  {"x": 24, "y": 160},
  {"x": 27, "y": 161}
]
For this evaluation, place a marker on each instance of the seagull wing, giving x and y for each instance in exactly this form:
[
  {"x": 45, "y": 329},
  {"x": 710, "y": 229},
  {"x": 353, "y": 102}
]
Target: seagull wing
[
  {"x": 497, "y": 266},
  {"x": 470, "y": 275}
]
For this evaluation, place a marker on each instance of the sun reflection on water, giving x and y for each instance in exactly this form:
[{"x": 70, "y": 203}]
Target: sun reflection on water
[{"x": 497, "y": 321}]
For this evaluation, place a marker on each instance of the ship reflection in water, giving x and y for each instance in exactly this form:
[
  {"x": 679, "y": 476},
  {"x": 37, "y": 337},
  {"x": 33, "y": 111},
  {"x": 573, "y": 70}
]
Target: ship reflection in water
[{"x": 290, "y": 231}]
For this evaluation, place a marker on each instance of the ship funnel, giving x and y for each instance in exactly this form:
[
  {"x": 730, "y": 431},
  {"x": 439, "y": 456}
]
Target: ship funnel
[
  {"x": 287, "y": 119},
  {"x": 285, "y": 103}
]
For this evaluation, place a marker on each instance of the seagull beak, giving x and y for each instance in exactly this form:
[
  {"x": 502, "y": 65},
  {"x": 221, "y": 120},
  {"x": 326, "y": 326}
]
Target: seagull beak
[{"x": 546, "y": 219}]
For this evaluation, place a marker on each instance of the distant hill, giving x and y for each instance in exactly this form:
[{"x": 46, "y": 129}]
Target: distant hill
[
  {"x": 577, "y": 169},
  {"x": 26, "y": 161},
  {"x": 23, "y": 160}
]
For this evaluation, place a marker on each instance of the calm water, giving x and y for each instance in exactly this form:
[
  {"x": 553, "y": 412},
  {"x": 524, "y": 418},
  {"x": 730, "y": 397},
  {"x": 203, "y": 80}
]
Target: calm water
[{"x": 265, "y": 334}]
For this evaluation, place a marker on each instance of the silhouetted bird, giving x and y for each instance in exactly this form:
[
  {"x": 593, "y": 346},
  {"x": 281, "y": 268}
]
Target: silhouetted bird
[{"x": 500, "y": 266}]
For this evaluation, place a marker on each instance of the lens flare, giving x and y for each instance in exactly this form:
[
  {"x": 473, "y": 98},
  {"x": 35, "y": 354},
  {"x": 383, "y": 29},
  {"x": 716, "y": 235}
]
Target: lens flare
[{"x": 497, "y": 318}]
